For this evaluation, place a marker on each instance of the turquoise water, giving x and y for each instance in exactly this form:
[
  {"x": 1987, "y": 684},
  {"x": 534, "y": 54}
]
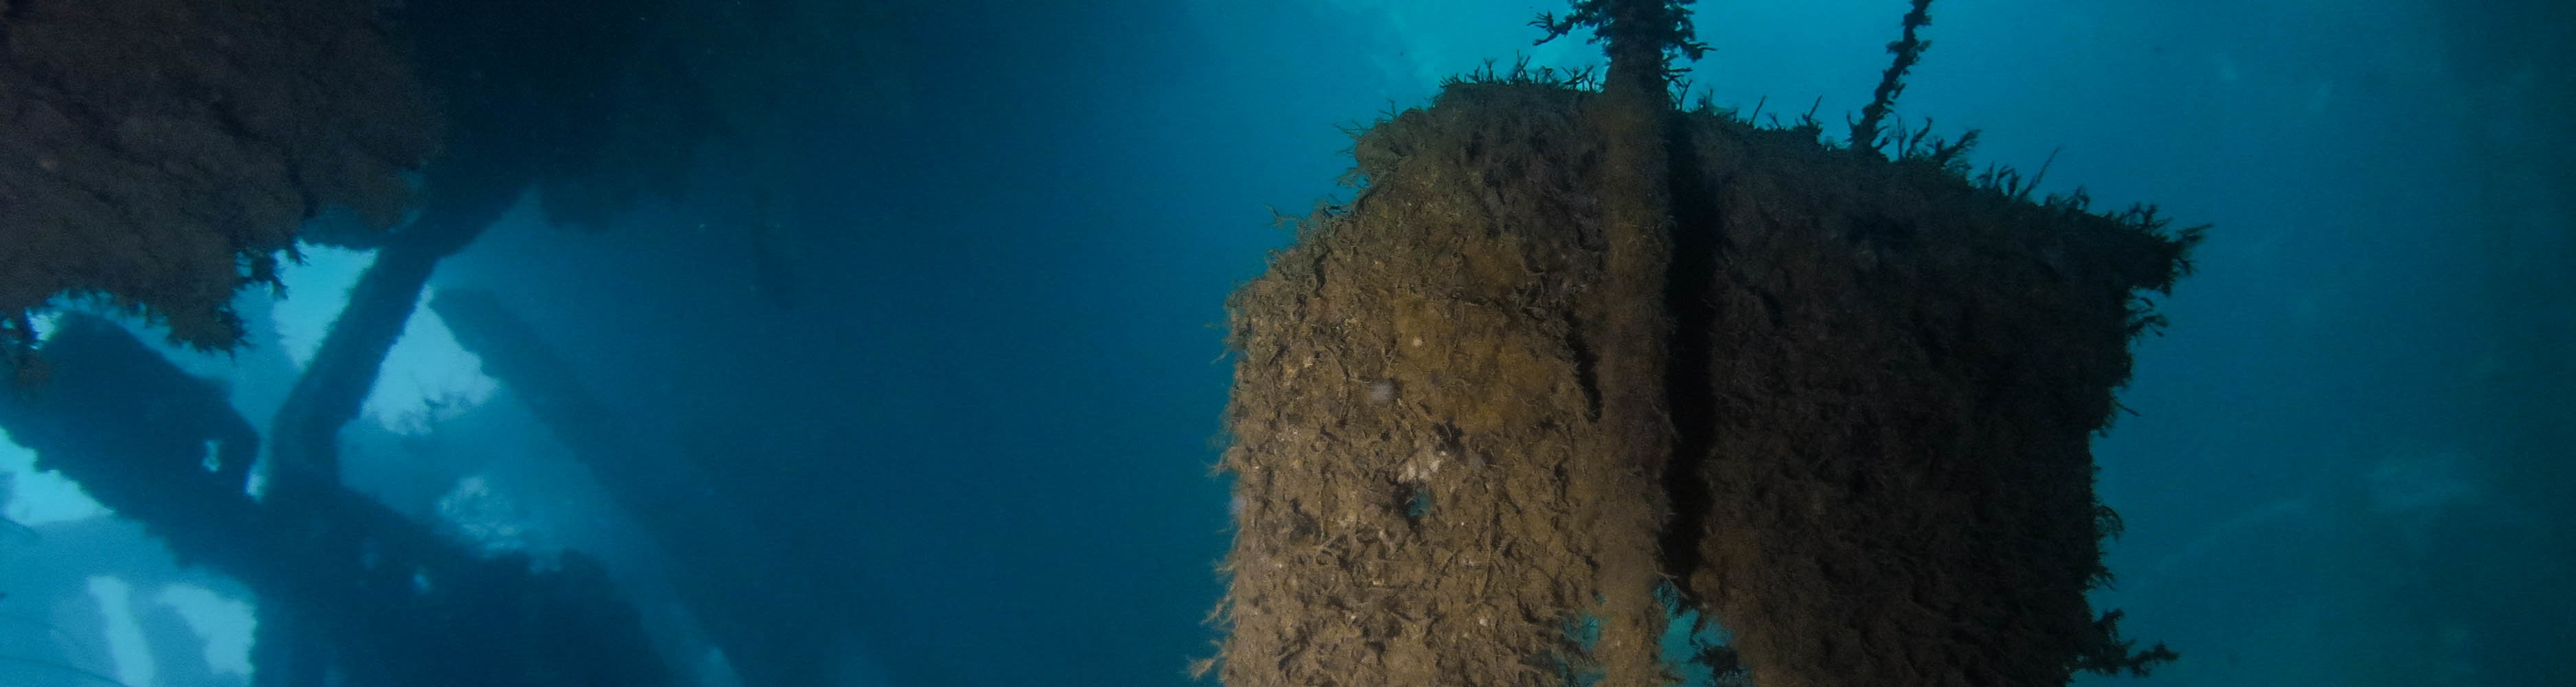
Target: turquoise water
[{"x": 934, "y": 330}]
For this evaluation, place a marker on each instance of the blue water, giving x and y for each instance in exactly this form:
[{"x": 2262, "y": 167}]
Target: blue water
[{"x": 975, "y": 422}]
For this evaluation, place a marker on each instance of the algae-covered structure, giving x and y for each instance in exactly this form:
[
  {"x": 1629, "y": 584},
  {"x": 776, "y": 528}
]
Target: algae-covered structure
[
  {"x": 160, "y": 153},
  {"x": 1568, "y": 345}
]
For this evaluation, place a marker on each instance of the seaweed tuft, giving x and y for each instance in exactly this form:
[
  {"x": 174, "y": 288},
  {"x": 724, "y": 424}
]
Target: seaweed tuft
[
  {"x": 1642, "y": 37},
  {"x": 2105, "y": 653},
  {"x": 1908, "y": 49}
]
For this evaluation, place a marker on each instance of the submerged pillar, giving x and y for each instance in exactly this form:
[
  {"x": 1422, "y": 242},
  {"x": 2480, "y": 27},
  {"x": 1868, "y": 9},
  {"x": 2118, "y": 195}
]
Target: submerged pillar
[
  {"x": 1427, "y": 452},
  {"x": 346, "y": 586},
  {"x": 1449, "y": 415},
  {"x": 1904, "y": 371}
]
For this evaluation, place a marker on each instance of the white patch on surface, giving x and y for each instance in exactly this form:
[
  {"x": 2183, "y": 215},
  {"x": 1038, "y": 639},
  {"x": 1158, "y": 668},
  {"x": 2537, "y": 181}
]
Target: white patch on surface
[
  {"x": 484, "y": 515},
  {"x": 125, "y": 642},
  {"x": 315, "y": 293},
  {"x": 226, "y": 625},
  {"x": 427, "y": 377},
  {"x": 42, "y": 324},
  {"x": 37, "y": 498}
]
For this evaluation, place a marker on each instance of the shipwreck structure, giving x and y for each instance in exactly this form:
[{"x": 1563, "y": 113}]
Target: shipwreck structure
[
  {"x": 351, "y": 592},
  {"x": 161, "y": 155},
  {"x": 1570, "y": 344}
]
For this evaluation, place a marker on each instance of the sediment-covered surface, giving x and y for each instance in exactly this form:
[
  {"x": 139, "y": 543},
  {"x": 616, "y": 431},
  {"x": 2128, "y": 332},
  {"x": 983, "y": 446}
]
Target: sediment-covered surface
[
  {"x": 1884, "y": 378},
  {"x": 1905, "y": 371}
]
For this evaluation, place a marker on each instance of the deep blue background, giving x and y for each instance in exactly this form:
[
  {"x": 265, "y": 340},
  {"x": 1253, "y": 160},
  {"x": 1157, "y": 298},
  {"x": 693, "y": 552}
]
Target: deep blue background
[{"x": 984, "y": 427}]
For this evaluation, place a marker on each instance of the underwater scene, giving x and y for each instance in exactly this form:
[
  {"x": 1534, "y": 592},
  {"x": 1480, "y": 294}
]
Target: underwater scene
[{"x": 1317, "y": 343}]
